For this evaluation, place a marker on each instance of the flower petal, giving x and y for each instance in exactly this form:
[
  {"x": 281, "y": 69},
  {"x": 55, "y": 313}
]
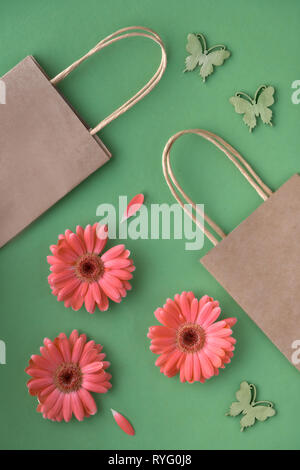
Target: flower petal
[
  {"x": 212, "y": 317},
  {"x": 206, "y": 365},
  {"x": 69, "y": 288},
  {"x": 166, "y": 319},
  {"x": 113, "y": 253},
  {"x": 89, "y": 238},
  {"x": 76, "y": 244},
  {"x": 77, "y": 350},
  {"x": 77, "y": 406},
  {"x": 92, "y": 367},
  {"x": 89, "y": 300},
  {"x": 123, "y": 423},
  {"x": 101, "y": 238},
  {"x": 65, "y": 349},
  {"x": 185, "y": 306},
  {"x": 109, "y": 290},
  {"x": 88, "y": 401},
  {"x": 188, "y": 367},
  {"x": 133, "y": 206},
  {"x": 67, "y": 407},
  {"x": 94, "y": 387}
]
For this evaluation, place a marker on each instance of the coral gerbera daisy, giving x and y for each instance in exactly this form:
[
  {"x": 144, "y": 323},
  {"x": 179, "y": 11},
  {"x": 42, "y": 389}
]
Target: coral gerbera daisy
[
  {"x": 191, "y": 341},
  {"x": 65, "y": 373},
  {"x": 80, "y": 274}
]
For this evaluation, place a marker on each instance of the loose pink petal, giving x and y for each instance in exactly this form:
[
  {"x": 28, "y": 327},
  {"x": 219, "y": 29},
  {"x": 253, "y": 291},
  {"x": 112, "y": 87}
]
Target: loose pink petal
[
  {"x": 133, "y": 206},
  {"x": 123, "y": 423}
]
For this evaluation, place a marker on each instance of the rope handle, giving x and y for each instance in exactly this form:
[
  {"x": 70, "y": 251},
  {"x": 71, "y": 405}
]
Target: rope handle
[
  {"x": 118, "y": 35},
  {"x": 247, "y": 171}
]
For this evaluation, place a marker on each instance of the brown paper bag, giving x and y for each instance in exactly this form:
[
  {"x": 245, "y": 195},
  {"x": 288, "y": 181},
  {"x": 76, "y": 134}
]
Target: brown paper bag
[
  {"x": 45, "y": 148},
  {"x": 257, "y": 263}
]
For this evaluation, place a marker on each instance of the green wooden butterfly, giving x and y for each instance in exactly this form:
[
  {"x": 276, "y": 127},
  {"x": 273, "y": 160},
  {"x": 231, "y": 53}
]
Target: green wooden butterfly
[
  {"x": 251, "y": 409},
  {"x": 253, "y": 108},
  {"x": 200, "y": 55}
]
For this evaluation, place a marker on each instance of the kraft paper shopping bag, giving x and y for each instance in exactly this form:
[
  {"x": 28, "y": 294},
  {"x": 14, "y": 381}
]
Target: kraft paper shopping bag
[
  {"x": 258, "y": 262},
  {"x": 45, "y": 148}
]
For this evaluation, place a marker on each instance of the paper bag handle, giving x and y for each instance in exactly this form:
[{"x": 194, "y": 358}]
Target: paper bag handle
[
  {"x": 247, "y": 171},
  {"x": 121, "y": 34}
]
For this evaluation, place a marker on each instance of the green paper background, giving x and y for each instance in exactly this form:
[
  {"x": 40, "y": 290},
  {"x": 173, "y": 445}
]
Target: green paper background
[{"x": 264, "y": 40}]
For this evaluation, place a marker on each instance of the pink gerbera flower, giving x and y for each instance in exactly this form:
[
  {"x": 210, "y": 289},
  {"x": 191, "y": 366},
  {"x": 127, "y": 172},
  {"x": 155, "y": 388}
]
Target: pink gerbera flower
[
  {"x": 65, "y": 373},
  {"x": 191, "y": 341},
  {"x": 80, "y": 274}
]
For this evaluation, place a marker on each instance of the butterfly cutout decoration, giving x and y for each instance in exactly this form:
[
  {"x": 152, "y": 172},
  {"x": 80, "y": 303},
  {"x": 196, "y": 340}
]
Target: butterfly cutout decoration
[
  {"x": 253, "y": 108},
  {"x": 205, "y": 58},
  {"x": 251, "y": 410}
]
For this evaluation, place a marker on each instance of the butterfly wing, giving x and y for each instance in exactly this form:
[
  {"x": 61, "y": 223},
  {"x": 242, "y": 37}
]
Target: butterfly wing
[
  {"x": 265, "y": 100},
  {"x": 248, "y": 419},
  {"x": 211, "y": 59},
  {"x": 262, "y": 412},
  {"x": 236, "y": 408},
  {"x": 194, "y": 48},
  {"x": 243, "y": 396},
  {"x": 259, "y": 412},
  {"x": 243, "y": 106}
]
